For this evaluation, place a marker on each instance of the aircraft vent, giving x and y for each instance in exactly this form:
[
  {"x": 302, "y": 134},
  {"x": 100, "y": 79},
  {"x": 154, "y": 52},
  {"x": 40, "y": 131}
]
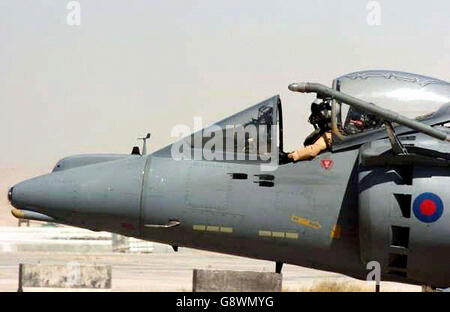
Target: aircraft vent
[
  {"x": 239, "y": 176},
  {"x": 265, "y": 180}
]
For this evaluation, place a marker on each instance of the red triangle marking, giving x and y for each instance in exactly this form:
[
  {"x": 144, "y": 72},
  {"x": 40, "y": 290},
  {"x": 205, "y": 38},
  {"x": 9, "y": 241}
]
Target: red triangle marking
[{"x": 326, "y": 163}]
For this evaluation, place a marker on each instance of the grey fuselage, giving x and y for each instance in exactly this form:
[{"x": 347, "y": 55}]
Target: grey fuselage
[
  {"x": 311, "y": 216},
  {"x": 216, "y": 211},
  {"x": 348, "y": 206}
]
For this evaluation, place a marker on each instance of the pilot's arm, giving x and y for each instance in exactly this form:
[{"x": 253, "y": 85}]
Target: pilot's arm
[{"x": 311, "y": 151}]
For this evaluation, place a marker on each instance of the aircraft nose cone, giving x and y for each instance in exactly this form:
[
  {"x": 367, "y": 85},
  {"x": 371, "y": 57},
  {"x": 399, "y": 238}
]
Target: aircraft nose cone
[
  {"x": 26, "y": 193},
  {"x": 14, "y": 197},
  {"x": 10, "y": 194},
  {"x": 29, "y": 199}
]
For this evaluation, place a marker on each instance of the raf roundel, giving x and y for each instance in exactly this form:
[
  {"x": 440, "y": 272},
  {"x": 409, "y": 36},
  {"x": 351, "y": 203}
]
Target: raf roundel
[{"x": 428, "y": 207}]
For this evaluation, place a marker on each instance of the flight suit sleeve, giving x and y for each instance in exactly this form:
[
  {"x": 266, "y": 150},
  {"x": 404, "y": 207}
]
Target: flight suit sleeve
[{"x": 314, "y": 149}]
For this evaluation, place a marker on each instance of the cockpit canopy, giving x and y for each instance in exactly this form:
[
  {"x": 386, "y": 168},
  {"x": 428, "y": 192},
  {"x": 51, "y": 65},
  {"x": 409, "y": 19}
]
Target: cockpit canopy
[
  {"x": 250, "y": 135},
  {"x": 408, "y": 94},
  {"x": 256, "y": 133}
]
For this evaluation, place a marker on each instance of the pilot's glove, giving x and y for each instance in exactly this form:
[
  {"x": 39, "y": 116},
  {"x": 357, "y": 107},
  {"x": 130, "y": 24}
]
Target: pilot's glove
[
  {"x": 312, "y": 150},
  {"x": 284, "y": 158}
]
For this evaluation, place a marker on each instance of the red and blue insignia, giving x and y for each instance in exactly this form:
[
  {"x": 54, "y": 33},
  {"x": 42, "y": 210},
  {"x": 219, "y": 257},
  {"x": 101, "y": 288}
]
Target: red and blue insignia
[{"x": 428, "y": 207}]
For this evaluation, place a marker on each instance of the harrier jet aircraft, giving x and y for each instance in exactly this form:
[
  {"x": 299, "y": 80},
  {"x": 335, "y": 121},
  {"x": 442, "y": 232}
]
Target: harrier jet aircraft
[{"x": 380, "y": 192}]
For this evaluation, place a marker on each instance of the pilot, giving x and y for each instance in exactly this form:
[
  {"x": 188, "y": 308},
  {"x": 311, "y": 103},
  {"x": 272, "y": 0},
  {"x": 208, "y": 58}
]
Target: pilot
[{"x": 321, "y": 138}]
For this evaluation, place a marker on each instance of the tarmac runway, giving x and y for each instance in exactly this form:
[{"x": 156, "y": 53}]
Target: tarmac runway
[{"x": 173, "y": 271}]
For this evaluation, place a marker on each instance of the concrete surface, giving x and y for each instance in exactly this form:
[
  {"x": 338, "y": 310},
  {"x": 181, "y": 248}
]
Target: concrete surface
[
  {"x": 70, "y": 275},
  {"x": 53, "y": 239},
  {"x": 172, "y": 271},
  {"x": 38, "y": 238},
  {"x": 235, "y": 281}
]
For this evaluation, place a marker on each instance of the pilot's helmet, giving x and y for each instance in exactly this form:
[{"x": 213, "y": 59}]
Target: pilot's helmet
[
  {"x": 320, "y": 113},
  {"x": 315, "y": 106}
]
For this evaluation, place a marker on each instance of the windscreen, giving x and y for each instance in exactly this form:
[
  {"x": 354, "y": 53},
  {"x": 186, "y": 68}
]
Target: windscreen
[{"x": 248, "y": 135}]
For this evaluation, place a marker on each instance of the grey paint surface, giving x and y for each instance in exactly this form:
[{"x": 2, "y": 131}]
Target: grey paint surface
[{"x": 335, "y": 219}]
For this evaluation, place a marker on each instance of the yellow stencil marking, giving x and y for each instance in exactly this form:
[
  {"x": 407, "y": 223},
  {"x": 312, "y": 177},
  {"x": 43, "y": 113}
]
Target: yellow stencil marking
[
  {"x": 292, "y": 235},
  {"x": 303, "y": 221},
  {"x": 336, "y": 231},
  {"x": 212, "y": 228},
  {"x": 198, "y": 227},
  {"x": 265, "y": 233},
  {"x": 278, "y": 234},
  {"x": 226, "y": 229}
]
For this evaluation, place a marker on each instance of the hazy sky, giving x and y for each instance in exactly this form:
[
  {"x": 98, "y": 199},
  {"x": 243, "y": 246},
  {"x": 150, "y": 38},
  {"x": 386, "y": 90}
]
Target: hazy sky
[{"x": 133, "y": 67}]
